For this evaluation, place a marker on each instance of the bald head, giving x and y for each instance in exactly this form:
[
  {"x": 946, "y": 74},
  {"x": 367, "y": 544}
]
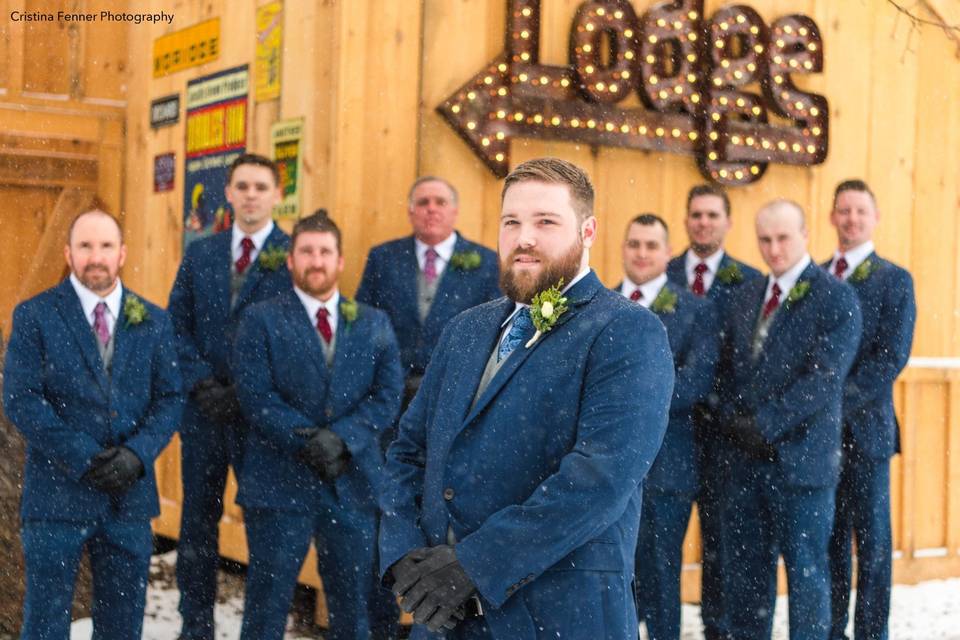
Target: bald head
[{"x": 782, "y": 235}]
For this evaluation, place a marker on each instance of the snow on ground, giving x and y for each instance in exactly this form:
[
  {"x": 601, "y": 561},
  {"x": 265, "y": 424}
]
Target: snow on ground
[{"x": 927, "y": 611}]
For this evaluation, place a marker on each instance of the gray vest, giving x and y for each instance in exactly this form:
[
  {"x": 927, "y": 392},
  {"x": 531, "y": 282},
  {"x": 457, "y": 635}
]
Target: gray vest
[
  {"x": 106, "y": 351},
  {"x": 761, "y": 331},
  {"x": 236, "y": 283},
  {"x": 328, "y": 349},
  {"x": 425, "y": 294},
  {"x": 489, "y": 371}
]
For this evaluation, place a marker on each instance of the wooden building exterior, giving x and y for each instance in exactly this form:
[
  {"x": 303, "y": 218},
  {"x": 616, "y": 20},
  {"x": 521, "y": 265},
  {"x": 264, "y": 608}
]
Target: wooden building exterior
[{"x": 366, "y": 77}]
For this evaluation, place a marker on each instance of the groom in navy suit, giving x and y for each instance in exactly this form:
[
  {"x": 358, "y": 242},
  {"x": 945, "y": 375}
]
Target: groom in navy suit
[
  {"x": 422, "y": 281},
  {"x": 870, "y": 431},
  {"x": 512, "y": 492},
  {"x": 708, "y": 271},
  {"x": 789, "y": 341},
  {"x": 319, "y": 379},
  {"x": 92, "y": 382},
  {"x": 220, "y": 276},
  {"x": 671, "y": 486}
]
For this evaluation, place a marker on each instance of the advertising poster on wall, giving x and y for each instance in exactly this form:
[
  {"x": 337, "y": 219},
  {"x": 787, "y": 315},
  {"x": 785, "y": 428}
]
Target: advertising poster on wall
[
  {"x": 164, "y": 166},
  {"x": 286, "y": 143},
  {"x": 269, "y": 39},
  {"x": 216, "y": 118}
]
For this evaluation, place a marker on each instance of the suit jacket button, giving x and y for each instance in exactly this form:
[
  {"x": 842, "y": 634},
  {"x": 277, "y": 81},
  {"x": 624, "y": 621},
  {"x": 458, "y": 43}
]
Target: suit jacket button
[
  {"x": 114, "y": 414},
  {"x": 448, "y": 494}
]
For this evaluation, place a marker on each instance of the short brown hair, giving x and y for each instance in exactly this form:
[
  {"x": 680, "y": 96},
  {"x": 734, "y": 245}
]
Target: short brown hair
[
  {"x": 317, "y": 222},
  {"x": 257, "y": 160},
  {"x": 650, "y": 220},
  {"x": 854, "y": 184},
  {"x": 709, "y": 190},
  {"x": 556, "y": 171}
]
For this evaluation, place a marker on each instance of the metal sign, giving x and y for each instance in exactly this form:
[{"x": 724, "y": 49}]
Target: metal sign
[{"x": 165, "y": 111}]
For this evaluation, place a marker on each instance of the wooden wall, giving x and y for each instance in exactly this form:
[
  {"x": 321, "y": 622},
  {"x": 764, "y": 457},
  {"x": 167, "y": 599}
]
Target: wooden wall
[{"x": 62, "y": 108}]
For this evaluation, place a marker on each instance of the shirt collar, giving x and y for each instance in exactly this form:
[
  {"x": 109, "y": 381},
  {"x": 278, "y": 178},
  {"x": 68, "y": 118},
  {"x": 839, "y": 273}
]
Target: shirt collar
[
  {"x": 312, "y": 305},
  {"x": 712, "y": 261},
  {"x": 650, "y": 289},
  {"x": 89, "y": 299},
  {"x": 519, "y": 305},
  {"x": 258, "y": 237},
  {"x": 444, "y": 248},
  {"x": 854, "y": 257},
  {"x": 789, "y": 278}
]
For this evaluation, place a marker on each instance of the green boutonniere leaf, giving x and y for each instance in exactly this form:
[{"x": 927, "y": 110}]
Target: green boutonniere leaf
[
  {"x": 272, "y": 258},
  {"x": 798, "y": 292},
  {"x": 545, "y": 309},
  {"x": 863, "y": 271},
  {"x": 665, "y": 302},
  {"x": 134, "y": 311},
  {"x": 348, "y": 310},
  {"x": 465, "y": 260},
  {"x": 730, "y": 274}
]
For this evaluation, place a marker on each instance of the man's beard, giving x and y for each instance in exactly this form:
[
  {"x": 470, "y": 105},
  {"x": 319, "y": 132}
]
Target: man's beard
[
  {"x": 705, "y": 249},
  {"x": 97, "y": 278},
  {"x": 304, "y": 283},
  {"x": 521, "y": 287}
]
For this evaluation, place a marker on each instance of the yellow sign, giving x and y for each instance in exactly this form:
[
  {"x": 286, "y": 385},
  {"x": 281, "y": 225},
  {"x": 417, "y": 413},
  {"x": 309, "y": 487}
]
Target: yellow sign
[
  {"x": 269, "y": 37},
  {"x": 186, "y": 48},
  {"x": 286, "y": 140}
]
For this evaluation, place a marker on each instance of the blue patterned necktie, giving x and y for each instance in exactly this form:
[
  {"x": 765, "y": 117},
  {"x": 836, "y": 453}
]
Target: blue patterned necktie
[{"x": 520, "y": 330}]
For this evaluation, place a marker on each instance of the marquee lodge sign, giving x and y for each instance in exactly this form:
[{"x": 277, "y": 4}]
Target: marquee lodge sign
[{"x": 692, "y": 75}]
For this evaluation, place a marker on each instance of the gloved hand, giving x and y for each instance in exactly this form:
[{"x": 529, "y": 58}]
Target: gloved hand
[
  {"x": 441, "y": 590},
  {"x": 745, "y": 433},
  {"x": 407, "y": 570},
  {"x": 324, "y": 451},
  {"x": 702, "y": 417},
  {"x": 114, "y": 470},
  {"x": 217, "y": 401}
]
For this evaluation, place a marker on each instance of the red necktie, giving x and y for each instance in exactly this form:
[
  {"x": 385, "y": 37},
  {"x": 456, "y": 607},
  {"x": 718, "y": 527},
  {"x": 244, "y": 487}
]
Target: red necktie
[
  {"x": 773, "y": 302},
  {"x": 698, "y": 288},
  {"x": 636, "y": 295},
  {"x": 840, "y": 267},
  {"x": 244, "y": 260},
  {"x": 100, "y": 323},
  {"x": 323, "y": 325}
]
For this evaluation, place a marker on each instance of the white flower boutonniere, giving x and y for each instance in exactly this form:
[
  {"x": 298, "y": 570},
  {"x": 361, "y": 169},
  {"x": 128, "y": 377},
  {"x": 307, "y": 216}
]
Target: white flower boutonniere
[{"x": 545, "y": 309}]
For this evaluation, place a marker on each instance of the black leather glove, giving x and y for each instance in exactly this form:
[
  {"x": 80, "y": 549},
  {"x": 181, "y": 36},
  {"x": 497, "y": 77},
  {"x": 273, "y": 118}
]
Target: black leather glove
[
  {"x": 745, "y": 433},
  {"x": 217, "y": 401},
  {"x": 114, "y": 470},
  {"x": 442, "y": 589},
  {"x": 407, "y": 570},
  {"x": 324, "y": 451}
]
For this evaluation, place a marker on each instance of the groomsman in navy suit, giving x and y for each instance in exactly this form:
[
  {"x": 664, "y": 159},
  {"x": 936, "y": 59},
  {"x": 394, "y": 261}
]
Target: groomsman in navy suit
[
  {"x": 319, "y": 377},
  {"x": 870, "y": 430},
  {"x": 671, "y": 486},
  {"x": 422, "y": 281},
  {"x": 512, "y": 492},
  {"x": 710, "y": 272},
  {"x": 219, "y": 277},
  {"x": 92, "y": 382},
  {"x": 789, "y": 341}
]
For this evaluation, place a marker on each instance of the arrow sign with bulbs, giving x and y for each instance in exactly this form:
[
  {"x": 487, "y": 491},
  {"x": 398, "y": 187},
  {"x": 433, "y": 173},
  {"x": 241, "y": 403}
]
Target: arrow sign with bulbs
[{"x": 691, "y": 75}]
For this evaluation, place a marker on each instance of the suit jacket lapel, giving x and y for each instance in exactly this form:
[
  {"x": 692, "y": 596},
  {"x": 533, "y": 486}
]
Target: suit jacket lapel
[
  {"x": 787, "y": 310},
  {"x": 69, "y": 307},
  {"x": 406, "y": 275},
  {"x": 450, "y": 279},
  {"x": 219, "y": 273},
  {"x": 299, "y": 323},
  {"x": 677, "y": 271},
  {"x": 256, "y": 272},
  {"x": 577, "y": 297},
  {"x": 122, "y": 341}
]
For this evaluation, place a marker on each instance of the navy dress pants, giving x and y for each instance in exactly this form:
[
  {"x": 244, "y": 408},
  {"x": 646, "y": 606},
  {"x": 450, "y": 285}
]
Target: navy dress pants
[
  {"x": 119, "y": 553},
  {"x": 714, "y": 467}
]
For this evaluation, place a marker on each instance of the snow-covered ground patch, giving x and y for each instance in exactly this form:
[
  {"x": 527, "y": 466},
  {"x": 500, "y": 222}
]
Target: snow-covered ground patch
[{"x": 927, "y": 611}]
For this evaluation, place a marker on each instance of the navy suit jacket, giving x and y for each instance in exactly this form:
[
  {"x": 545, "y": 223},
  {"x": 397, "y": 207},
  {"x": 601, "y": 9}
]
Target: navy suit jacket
[
  {"x": 889, "y": 314},
  {"x": 691, "y": 329},
  {"x": 200, "y": 302},
  {"x": 540, "y": 480},
  {"x": 58, "y": 395},
  {"x": 284, "y": 384},
  {"x": 719, "y": 292},
  {"x": 390, "y": 283},
  {"x": 795, "y": 387}
]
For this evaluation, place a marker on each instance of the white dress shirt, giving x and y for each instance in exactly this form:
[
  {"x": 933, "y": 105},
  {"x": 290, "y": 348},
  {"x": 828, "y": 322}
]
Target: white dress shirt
[
  {"x": 650, "y": 289},
  {"x": 787, "y": 280},
  {"x": 854, "y": 257},
  {"x": 713, "y": 265},
  {"x": 444, "y": 250},
  {"x": 258, "y": 239},
  {"x": 312, "y": 305},
  {"x": 89, "y": 300}
]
